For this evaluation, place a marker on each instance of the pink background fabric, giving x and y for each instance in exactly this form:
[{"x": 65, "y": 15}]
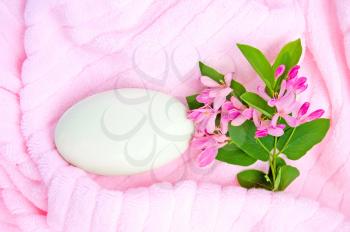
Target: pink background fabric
[{"x": 55, "y": 53}]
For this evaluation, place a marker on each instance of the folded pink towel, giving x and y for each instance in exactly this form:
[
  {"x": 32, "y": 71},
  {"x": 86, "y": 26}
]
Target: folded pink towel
[{"x": 54, "y": 53}]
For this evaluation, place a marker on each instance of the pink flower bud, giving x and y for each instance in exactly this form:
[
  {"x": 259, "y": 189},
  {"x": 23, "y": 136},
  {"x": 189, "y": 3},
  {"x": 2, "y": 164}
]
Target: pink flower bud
[
  {"x": 315, "y": 115},
  {"x": 261, "y": 133},
  {"x": 279, "y": 71},
  {"x": 303, "y": 109},
  {"x": 293, "y": 72}
]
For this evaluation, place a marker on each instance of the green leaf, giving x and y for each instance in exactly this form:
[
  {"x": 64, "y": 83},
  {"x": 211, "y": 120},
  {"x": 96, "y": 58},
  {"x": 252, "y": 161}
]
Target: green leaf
[
  {"x": 297, "y": 141},
  {"x": 253, "y": 179},
  {"x": 211, "y": 72},
  {"x": 280, "y": 162},
  {"x": 289, "y": 56},
  {"x": 287, "y": 176},
  {"x": 238, "y": 88},
  {"x": 258, "y": 103},
  {"x": 232, "y": 154},
  {"x": 260, "y": 64},
  {"x": 244, "y": 137},
  {"x": 193, "y": 103},
  {"x": 267, "y": 141}
]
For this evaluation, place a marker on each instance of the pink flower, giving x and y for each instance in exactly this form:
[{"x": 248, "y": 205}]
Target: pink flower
[
  {"x": 300, "y": 116},
  {"x": 204, "y": 119},
  {"x": 209, "y": 146},
  {"x": 267, "y": 127},
  {"x": 217, "y": 92},
  {"x": 235, "y": 112},
  {"x": 279, "y": 71},
  {"x": 285, "y": 101}
]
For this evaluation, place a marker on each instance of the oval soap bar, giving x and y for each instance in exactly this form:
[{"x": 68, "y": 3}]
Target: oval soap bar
[{"x": 123, "y": 131}]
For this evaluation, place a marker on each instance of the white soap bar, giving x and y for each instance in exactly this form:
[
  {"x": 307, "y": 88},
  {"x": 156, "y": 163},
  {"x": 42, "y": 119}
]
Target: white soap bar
[{"x": 123, "y": 132}]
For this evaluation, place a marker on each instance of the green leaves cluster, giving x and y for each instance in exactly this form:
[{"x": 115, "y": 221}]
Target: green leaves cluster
[
  {"x": 294, "y": 144},
  {"x": 289, "y": 56},
  {"x": 257, "y": 179},
  {"x": 244, "y": 149},
  {"x": 297, "y": 141}
]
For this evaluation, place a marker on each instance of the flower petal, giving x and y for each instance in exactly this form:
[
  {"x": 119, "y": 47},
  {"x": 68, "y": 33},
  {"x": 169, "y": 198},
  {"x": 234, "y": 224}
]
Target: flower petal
[
  {"x": 214, "y": 92},
  {"x": 221, "y": 138},
  {"x": 221, "y": 98},
  {"x": 224, "y": 125},
  {"x": 282, "y": 89},
  {"x": 236, "y": 103},
  {"x": 239, "y": 120},
  {"x": 228, "y": 78},
  {"x": 261, "y": 133},
  {"x": 232, "y": 114},
  {"x": 226, "y": 106},
  {"x": 248, "y": 113},
  {"x": 200, "y": 142},
  {"x": 286, "y": 103},
  {"x": 293, "y": 72},
  {"x": 279, "y": 71},
  {"x": 211, "y": 123},
  {"x": 301, "y": 89},
  {"x": 207, "y": 156},
  {"x": 209, "y": 82},
  {"x": 303, "y": 109},
  {"x": 193, "y": 115},
  {"x": 291, "y": 121},
  {"x": 300, "y": 81},
  {"x": 282, "y": 126},
  {"x": 315, "y": 115},
  {"x": 202, "y": 126},
  {"x": 262, "y": 93},
  {"x": 204, "y": 97},
  {"x": 272, "y": 102},
  {"x": 274, "y": 120},
  {"x": 275, "y": 131},
  {"x": 256, "y": 118},
  {"x": 300, "y": 84}
]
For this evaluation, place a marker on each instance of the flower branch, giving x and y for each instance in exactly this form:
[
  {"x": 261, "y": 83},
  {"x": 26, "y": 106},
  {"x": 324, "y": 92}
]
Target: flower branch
[{"x": 239, "y": 127}]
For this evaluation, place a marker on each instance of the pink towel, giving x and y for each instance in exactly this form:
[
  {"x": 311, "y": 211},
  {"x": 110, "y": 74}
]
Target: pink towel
[{"x": 55, "y": 53}]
